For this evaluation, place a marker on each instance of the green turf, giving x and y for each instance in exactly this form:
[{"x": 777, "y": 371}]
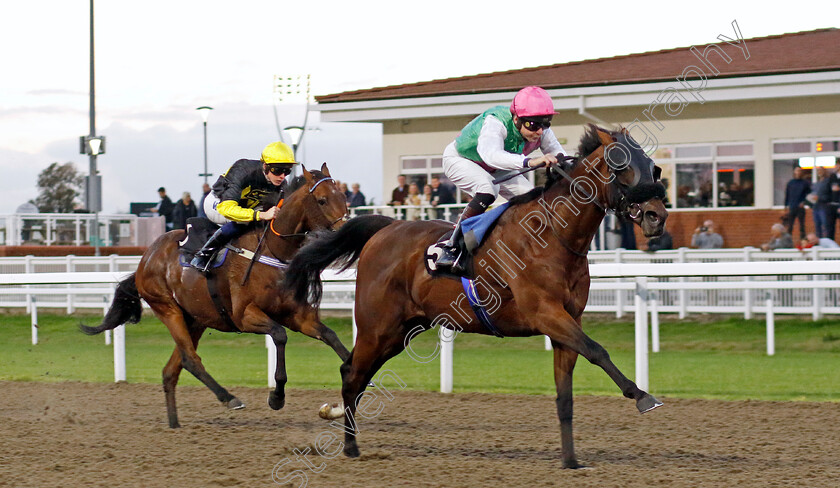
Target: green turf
[{"x": 700, "y": 359}]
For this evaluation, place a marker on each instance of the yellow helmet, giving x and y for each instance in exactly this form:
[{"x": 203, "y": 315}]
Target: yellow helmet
[{"x": 278, "y": 153}]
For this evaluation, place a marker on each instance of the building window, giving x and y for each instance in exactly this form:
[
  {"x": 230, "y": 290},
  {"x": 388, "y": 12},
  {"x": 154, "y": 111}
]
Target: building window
[
  {"x": 421, "y": 169},
  {"x": 806, "y": 154},
  {"x": 707, "y": 175}
]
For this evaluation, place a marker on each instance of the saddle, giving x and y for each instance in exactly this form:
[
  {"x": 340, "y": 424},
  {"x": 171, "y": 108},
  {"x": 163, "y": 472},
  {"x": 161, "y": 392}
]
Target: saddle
[
  {"x": 474, "y": 231},
  {"x": 199, "y": 230}
]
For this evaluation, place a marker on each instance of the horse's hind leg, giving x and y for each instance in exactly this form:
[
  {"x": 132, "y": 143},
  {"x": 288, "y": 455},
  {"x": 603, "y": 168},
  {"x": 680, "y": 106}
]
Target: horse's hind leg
[
  {"x": 174, "y": 321},
  {"x": 277, "y": 398},
  {"x": 564, "y": 365},
  {"x": 171, "y": 372}
]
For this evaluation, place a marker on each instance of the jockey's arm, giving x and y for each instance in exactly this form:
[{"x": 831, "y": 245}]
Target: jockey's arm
[
  {"x": 491, "y": 146},
  {"x": 231, "y": 210},
  {"x": 550, "y": 145}
]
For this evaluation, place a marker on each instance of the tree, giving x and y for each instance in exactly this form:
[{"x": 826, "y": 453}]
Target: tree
[{"x": 58, "y": 188}]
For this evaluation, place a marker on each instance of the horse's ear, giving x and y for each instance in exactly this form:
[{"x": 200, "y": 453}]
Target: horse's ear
[
  {"x": 306, "y": 174},
  {"x": 606, "y": 137},
  {"x": 325, "y": 170}
]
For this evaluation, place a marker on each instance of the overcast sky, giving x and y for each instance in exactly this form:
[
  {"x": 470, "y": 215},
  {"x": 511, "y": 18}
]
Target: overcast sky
[{"x": 156, "y": 61}]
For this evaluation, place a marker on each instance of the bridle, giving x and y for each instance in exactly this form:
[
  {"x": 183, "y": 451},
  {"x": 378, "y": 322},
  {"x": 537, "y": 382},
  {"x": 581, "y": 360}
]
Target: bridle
[
  {"x": 326, "y": 223},
  {"x": 621, "y": 208}
]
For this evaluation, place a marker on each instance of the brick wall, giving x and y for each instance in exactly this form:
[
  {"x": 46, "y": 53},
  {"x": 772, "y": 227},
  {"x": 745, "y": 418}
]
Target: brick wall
[{"x": 739, "y": 228}]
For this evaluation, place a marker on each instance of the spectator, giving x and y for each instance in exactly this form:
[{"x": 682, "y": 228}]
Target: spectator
[
  {"x": 665, "y": 241},
  {"x": 164, "y": 208},
  {"x": 440, "y": 196},
  {"x": 834, "y": 202},
  {"x": 796, "y": 191},
  {"x": 779, "y": 239},
  {"x": 356, "y": 197},
  {"x": 705, "y": 237},
  {"x": 413, "y": 199},
  {"x": 426, "y": 198},
  {"x": 821, "y": 199},
  {"x": 343, "y": 187},
  {"x": 400, "y": 193},
  {"x": 184, "y": 209},
  {"x": 205, "y": 189},
  {"x": 811, "y": 240}
]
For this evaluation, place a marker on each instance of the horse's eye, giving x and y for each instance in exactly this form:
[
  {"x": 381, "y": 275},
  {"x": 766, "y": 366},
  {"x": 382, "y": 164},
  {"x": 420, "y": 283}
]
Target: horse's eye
[{"x": 322, "y": 201}]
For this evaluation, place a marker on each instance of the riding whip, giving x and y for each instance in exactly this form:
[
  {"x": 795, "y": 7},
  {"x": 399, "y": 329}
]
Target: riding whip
[{"x": 527, "y": 170}]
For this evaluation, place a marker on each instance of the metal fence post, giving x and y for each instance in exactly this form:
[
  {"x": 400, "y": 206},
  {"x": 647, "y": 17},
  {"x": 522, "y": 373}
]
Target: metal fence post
[
  {"x": 683, "y": 294},
  {"x": 748, "y": 293},
  {"x": 447, "y": 337},
  {"x": 641, "y": 333},
  {"x": 33, "y": 310},
  {"x": 654, "y": 323},
  {"x": 272, "y": 360},
  {"x": 771, "y": 326}
]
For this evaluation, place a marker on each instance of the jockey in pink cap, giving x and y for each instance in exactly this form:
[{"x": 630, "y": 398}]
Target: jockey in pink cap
[{"x": 493, "y": 145}]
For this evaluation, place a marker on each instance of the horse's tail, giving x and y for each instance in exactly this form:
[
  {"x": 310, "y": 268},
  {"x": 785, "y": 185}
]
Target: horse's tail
[
  {"x": 125, "y": 309},
  {"x": 342, "y": 247}
]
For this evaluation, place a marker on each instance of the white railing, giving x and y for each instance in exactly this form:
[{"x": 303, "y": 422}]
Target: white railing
[
  {"x": 448, "y": 211},
  {"x": 605, "y": 296},
  {"x": 69, "y": 229},
  {"x": 334, "y": 284},
  {"x": 743, "y": 277}
]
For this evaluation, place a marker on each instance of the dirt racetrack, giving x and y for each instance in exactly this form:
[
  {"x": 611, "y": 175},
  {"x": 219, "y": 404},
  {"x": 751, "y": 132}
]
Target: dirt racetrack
[{"x": 115, "y": 435}]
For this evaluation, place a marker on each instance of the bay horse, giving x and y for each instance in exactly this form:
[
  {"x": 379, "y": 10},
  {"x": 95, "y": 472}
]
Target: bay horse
[
  {"x": 179, "y": 296},
  {"x": 532, "y": 270}
]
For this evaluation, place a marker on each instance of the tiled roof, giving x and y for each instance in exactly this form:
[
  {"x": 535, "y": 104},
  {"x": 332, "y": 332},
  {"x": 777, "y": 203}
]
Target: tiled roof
[{"x": 801, "y": 52}]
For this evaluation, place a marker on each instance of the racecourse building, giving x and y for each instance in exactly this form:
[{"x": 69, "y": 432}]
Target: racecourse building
[{"x": 728, "y": 122}]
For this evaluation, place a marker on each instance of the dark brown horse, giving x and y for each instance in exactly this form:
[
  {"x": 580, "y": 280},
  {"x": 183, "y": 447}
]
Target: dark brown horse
[
  {"x": 532, "y": 270},
  {"x": 179, "y": 296}
]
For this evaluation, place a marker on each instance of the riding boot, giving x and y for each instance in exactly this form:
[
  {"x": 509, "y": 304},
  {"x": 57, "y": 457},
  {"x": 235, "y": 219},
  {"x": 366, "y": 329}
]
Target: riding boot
[
  {"x": 450, "y": 255},
  {"x": 202, "y": 258}
]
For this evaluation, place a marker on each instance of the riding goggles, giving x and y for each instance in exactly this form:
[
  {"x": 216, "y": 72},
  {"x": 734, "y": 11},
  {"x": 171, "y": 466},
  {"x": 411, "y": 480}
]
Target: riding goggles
[
  {"x": 534, "y": 125},
  {"x": 279, "y": 170}
]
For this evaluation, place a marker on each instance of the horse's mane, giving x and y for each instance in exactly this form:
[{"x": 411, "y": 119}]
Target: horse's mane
[
  {"x": 299, "y": 181},
  {"x": 588, "y": 144}
]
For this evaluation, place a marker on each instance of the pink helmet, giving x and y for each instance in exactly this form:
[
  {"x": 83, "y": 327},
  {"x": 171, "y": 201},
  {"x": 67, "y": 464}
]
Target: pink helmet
[{"x": 532, "y": 101}]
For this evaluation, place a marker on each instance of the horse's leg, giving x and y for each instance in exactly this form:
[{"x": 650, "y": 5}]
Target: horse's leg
[
  {"x": 171, "y": 372},
  {"x": 560, "y": 327},
  {"x": 255, "y": 321},
  {"x": 564, "y": 365},
  {"x": 173, "y": 318},
  {"x": 307, "y": 321}
]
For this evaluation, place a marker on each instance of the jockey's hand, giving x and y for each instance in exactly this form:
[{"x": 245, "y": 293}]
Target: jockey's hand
[
  {"x": 546, "y": 160},
  {"x": 269, "y": 214}
]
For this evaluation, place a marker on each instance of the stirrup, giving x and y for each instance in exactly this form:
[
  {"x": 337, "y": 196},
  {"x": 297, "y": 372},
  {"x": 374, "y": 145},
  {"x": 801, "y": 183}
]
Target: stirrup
[
  {"x": 202, "y": 263},
  {"x": 449, "y": 256}
]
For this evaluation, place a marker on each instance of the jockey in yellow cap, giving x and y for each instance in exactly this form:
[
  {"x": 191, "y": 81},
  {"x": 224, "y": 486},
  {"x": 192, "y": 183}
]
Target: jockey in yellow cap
[{"x": 238, "y": 192}]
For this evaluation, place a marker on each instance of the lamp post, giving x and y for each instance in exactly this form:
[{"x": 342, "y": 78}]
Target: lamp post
[
  {"x": 294, "y": 133},
  {"x": 93, "y": 146},
  {"x": 205, "y": 114}
]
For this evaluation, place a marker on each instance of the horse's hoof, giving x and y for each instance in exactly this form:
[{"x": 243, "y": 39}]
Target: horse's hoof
[
  {"x": 351, "y": 451},
  {"x": 235, "y": 404},
  {"x": 647, "y": 403},
  {"x": 331, "y": 412},
  {"x": 174, "y": 425},
  {"x": 573, "y": 464},
  {"x": 276, "y": 401}
]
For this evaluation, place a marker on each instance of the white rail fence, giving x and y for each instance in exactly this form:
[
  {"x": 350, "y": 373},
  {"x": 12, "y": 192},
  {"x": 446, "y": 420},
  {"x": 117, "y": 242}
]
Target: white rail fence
[
  {"x": 80, "y": 229},
  {"x": 761, "y": 286}
]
